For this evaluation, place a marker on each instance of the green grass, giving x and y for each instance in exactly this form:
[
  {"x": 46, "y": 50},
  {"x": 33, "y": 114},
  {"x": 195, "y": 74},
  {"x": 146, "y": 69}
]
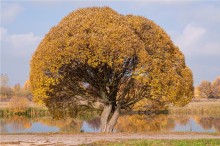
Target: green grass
[
  {"x": 27, "y": 112},
  {"x": 199, "y": 142}
]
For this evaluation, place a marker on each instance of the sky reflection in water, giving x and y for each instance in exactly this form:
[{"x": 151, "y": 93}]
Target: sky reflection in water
[{"x": 128, "y": 123}]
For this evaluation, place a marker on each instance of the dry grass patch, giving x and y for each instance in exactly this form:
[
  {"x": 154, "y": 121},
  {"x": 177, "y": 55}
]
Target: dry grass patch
[{"x": 208, "y": 108}]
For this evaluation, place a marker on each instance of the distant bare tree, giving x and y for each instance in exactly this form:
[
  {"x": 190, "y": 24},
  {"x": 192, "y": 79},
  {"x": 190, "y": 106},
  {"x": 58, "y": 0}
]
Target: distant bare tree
[
  {"x": 205, "y": 89},
  {"x": 5, "y": 91},
  {"x": 216, "y": 87}
]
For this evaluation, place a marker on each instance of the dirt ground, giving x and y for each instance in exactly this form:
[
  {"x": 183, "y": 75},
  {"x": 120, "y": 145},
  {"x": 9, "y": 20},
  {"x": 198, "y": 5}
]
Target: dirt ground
[{"x": 87, "y": 138}]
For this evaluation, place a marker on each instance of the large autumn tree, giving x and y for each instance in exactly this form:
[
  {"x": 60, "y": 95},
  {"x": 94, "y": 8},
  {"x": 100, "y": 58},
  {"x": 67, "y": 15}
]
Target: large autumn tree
[{"x": 96, "y": 56}]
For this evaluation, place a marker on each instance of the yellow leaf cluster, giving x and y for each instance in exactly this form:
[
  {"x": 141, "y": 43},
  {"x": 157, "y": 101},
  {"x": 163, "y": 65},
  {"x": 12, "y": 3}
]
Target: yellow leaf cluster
[{"x": 96, "y": 37}]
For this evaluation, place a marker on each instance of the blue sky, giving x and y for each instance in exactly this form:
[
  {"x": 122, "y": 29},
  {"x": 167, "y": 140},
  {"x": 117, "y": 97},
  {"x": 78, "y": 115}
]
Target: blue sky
[{"x": 194, "y": 27}]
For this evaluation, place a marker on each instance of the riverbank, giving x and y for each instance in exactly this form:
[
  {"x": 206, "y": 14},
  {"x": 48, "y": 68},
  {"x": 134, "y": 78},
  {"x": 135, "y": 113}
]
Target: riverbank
[
  {"x": 52, "y": 139},
  {"x": 205, "y": 107}
]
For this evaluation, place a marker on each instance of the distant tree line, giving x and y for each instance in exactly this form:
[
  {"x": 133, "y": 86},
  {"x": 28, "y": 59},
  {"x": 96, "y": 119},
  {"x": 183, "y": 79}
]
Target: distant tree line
[
  {"x": 7, "y": 92},
  {"x": 208, "y": 89}
]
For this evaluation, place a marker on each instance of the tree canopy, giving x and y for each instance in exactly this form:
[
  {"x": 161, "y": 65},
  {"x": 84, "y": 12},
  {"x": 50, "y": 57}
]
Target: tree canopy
[
  {"x": 121, "y": 61},
  {"x": 208, "y": 89}
]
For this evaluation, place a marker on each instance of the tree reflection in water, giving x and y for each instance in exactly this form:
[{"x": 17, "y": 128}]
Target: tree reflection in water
[
  {"x": 182, "y": 120},
  {"x": 20, "y": 123},
  {"x": 3, "y": 128},
  {"x": 144, "y": 123},
  {"x": 17, "y": 123},
  {"x": 209, "y": 122},
  {"x": 126, "y": 123},
  {"x": 216, "y": 124},
  {"x": 94, "y": 123}
]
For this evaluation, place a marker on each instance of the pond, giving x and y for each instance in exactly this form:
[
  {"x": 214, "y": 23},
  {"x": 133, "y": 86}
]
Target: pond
[{"x": 126, "y": 123}]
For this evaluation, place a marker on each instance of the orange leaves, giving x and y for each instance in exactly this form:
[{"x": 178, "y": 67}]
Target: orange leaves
[{"x": 101, "y": 41}]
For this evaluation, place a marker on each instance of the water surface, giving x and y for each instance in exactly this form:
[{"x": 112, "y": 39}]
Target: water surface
[{"x": 127, "y": 123}]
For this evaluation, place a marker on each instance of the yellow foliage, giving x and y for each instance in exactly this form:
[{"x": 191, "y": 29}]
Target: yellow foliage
[{"x": 93, "y": 46}]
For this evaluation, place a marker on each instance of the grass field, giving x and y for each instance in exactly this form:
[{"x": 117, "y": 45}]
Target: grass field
[
  {"x": 199, "y": 107},
  {"x": 205, "y": 108},
  {"x": 199, "y": 142}
]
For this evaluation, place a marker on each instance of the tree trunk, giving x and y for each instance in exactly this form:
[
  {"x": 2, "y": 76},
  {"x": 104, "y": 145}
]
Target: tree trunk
[
  {"x": 112, "y": 122},
  {"x": 105, "y": 116},
  {"x": 108, "y": 123}
]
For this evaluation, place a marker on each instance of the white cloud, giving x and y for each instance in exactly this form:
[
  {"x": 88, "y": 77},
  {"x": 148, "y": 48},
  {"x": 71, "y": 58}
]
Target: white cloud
[
  {"x": 195, "y": 40},
  {"x": 9, "y": 12},
  {"x": 190, "y": 36},
  {"x": 201, "y": 48},
  {"x": 19, "y": 44}
]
